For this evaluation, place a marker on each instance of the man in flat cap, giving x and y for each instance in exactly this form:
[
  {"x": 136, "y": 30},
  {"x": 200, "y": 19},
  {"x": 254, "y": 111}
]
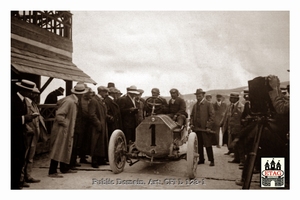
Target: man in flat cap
[
  {"x": 219, "y": 108},
  {"x": 98, "y": 115},
  {"x": 231, "y": 123},
  {"x": 202, "y": 119},
  {"x": 177, "y": 108}
]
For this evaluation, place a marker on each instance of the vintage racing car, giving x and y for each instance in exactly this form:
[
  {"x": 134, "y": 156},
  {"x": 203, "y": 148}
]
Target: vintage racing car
[{"x": 158, "y": 139}]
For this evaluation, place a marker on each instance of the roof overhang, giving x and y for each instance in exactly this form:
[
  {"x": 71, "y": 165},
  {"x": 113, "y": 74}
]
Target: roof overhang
[{"x": 27, "y": 62}]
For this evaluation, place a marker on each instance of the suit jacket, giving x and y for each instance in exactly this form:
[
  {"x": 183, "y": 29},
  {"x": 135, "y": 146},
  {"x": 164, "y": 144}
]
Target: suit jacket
[
  {"x": 129, "y": 118},
  {"x": 18, "y": 109},
  {"x": 202, "y": 117},
  {"x": 37, "y": 126},
  {"x": 97, "y": 113}
]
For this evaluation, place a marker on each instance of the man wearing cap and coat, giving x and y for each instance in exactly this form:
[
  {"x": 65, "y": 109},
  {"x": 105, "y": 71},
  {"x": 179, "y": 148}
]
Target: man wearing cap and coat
[
  {"x": 52, "y": 96},
  {"x": 177, "y": 108},
  {"x": 202, "y": 119},
  {"x": 129, "y": 113},
  {"x": 231, "y": 123},
  {"x": 98, "y": 115},
  {"x": 19, "y": 118},
  {"x": 62, "y": 133}
]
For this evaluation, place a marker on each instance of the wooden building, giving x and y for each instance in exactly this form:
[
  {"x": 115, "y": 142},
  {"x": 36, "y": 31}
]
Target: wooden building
[{"x": 41, "y": 45}]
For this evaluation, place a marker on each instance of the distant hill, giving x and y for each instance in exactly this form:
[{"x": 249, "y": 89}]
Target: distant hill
[
  {"x": 224, "y": 92},
  {"x": 191, "y": 98}
]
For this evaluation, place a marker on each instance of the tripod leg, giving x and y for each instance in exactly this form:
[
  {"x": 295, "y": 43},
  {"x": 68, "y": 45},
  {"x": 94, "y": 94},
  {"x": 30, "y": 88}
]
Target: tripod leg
[{"x": 252, "y": 155}]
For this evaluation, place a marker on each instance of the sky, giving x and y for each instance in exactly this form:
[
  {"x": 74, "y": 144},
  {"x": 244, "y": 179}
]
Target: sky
[{"x": 181, "y": 49}]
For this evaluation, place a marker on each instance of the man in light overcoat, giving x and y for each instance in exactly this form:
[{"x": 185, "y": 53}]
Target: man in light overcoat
[{"x": 62, "y": 133}]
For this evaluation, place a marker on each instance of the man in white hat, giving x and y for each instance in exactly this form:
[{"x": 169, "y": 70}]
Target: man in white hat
[
  {"x": 63, "y": 131},
  {"x": 129, "y": 111},
  {"x": 19, "y": 118},
  {"x": 39, "y": 130}
]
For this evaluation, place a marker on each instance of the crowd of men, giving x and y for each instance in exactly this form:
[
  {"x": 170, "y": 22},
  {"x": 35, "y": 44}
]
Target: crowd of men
[{"x": 85, "y": 121}]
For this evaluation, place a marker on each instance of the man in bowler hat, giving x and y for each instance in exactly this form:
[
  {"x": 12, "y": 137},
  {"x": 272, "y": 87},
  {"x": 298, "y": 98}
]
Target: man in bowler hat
[{"x": 202, "y": 119}]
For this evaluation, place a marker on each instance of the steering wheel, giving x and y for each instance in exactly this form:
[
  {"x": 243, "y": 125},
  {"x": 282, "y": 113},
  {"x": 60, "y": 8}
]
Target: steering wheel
[{"x": 154, "y": 103}]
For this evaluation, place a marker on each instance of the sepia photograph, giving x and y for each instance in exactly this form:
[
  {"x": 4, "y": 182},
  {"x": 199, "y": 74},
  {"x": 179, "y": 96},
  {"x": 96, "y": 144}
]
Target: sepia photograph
[{"x": 175, "y": 97}]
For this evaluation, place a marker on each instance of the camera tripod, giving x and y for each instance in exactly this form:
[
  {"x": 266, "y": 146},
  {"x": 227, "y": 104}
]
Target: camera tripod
[{"x": 261, "y": 124}]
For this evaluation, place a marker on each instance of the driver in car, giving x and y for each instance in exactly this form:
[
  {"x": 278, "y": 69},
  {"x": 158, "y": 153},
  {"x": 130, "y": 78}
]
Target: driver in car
[
  {"x": 163, "y": 109},
  {"x": 177, "y": 108}
]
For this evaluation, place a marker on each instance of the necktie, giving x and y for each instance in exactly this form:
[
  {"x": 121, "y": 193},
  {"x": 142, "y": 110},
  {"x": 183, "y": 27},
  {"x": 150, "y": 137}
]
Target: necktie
[{"x": 232, "y": 107}]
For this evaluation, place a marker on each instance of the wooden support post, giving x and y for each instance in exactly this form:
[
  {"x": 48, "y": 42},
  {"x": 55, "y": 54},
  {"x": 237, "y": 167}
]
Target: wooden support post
[
  {"x": 46, "y": 85},
  {"x": 69, "y": 86}
]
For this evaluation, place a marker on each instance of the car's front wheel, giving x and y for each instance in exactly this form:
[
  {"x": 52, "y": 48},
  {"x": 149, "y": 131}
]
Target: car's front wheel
[
  {"x": 116, "y": 151},
  {"x": 192, "y": 155}
]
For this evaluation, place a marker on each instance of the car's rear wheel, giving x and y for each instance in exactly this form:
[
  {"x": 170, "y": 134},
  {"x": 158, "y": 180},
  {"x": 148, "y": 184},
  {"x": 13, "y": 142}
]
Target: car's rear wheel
[
  {"x": 192, "y": 155},
  {"x": 116, "y": 151}
]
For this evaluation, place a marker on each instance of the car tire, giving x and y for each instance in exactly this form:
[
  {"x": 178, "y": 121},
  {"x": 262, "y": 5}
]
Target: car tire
[
  {"x": 192, "y": 155},
  {"x": 117, "y": 148}
]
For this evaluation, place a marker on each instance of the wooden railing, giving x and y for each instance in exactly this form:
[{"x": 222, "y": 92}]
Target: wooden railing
[
  {"x": 48, "y": 112},
  {"x": 58, "y": 22}
]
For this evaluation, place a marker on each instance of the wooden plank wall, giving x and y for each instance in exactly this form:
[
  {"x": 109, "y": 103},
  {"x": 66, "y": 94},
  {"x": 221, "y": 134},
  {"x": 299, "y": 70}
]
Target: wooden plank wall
[{"x": 34, "y": 39}]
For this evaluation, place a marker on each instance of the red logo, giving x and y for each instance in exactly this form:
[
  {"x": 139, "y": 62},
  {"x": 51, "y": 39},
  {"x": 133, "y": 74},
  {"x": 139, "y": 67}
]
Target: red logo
[{"x": 272, "y": 173}]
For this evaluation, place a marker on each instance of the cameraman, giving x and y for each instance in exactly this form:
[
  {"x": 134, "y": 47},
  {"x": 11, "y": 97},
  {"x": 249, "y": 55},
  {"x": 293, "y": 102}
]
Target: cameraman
[
  {"x": 281, "y": 105},
  {"x": 280, "y": 102}
]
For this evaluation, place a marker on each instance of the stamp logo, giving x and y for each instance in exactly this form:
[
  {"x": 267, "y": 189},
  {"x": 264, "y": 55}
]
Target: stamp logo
[{"x": 272, "y": 172}]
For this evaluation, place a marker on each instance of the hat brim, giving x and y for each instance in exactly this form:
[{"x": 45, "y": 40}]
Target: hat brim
[
  {"x": 199, "y": 93},
  {"x": 133, "y": 92},
  {"x": 20, "y": 85},
  {"x": 76, "y": 92}
]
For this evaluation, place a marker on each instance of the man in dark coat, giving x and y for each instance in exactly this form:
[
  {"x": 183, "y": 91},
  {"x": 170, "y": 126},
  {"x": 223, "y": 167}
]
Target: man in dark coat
[
  {"x": 19, "y": 118},
  {"x": 129, "y": 113},
  {"x": 202, "y": 119},
  {"x": 219, "y": 108},
  {"x": 52, "y": 96},
  {"x": 114, "y": 119},
  {"x": 140, "y": 103},
  {"x": 177, "y": 108},
  {"x": 98, "y": 113}
]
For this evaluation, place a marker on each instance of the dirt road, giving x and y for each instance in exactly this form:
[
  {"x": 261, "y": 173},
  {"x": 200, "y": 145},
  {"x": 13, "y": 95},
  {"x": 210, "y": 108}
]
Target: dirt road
[{"x": 143, "y": 175}]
